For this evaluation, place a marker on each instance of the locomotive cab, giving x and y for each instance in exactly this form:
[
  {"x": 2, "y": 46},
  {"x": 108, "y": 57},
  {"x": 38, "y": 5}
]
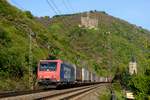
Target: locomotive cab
[{"x": 48, "y": 72}]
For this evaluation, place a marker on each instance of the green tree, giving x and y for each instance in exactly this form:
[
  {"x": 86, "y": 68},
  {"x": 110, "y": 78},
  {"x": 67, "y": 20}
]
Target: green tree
[{"x": 29, "y": 14}]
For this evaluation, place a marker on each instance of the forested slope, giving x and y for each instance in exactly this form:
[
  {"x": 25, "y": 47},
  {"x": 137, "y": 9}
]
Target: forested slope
[{"x": 106, "y": 51}]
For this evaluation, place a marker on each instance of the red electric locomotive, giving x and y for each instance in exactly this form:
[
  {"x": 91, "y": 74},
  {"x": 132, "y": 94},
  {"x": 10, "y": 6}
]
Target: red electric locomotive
[{"x": 55, "y": 72}]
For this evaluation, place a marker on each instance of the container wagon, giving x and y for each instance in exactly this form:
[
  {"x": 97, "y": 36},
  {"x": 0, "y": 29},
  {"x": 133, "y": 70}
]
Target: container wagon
[
  {"x": 101, "y": 79},
  {"x": 78, "y": 74},
  {"x": 93, "y": 77},
  {"x": 85, "y": 75},
  {"x": 96, "y": 79},
  {"x": 89, "y": 77},
  {"x": 67, "y": 73}
]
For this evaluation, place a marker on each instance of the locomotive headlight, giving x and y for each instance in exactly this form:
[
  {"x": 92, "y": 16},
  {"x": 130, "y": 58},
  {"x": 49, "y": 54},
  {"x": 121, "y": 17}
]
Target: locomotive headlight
[{"x": 40, "y": 76}]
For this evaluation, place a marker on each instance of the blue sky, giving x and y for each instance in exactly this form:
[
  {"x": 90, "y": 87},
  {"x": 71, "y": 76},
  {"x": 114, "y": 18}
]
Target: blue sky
[{"x": 133, "y": 11}]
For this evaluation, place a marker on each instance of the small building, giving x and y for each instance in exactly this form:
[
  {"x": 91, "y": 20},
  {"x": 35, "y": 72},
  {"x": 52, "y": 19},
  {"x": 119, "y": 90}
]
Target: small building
[
  {"x": 87, "y": 22},
  {"x": 132, "y": 67},
  {"x": 129, "y": 95}
]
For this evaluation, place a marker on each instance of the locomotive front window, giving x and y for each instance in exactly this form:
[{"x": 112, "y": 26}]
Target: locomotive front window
[{"x": 50, "y": 66}]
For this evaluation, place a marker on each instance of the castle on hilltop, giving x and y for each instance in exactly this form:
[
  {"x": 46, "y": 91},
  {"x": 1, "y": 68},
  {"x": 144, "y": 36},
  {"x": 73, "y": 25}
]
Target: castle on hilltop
[{"x": 88, "y": 22}]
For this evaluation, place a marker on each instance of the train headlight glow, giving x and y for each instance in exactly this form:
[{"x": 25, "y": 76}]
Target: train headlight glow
[{"x": 40, "y": 76}]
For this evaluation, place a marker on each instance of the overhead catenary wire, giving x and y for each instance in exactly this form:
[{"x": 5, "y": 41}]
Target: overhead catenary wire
[
  {"x": 64, "y": 20},
  {"x": 53, "y": 3},
  {"x": 51, "y": 6},
  {"x": 56, "y": 10},
  {"x": 65, "y": 5}
]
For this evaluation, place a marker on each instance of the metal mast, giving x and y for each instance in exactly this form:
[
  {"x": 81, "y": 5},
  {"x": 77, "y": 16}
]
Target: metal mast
[{"x": 30, "y": 60}]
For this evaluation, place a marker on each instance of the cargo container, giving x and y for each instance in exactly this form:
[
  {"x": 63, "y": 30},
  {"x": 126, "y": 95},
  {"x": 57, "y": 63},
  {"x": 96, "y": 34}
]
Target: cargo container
[
  {"x": 67, "y": 72},
  {"x": 103, "y": 79},
  {"x": 89, "y": 76},
  {"x": 78, "y": 74},
  {"x": 85, "y": 75},
  {"x": 93, "y": 77},
  {"x": 96, "y": 79}
]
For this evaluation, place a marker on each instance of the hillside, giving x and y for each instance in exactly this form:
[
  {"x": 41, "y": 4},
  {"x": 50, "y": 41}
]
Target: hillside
[
  {"x": 15, "y": 27},
  {"x": 111, "y": 46},
  {"x": 105, "y": 51}
]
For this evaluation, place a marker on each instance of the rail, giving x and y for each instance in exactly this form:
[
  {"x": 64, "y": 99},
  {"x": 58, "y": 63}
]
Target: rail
[{"x": 53, "y": 94}]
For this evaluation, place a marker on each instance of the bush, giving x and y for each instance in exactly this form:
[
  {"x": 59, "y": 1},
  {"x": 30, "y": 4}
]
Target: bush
[
  {"x": 29, "y": 14},
  {"x": 12, "y": 63},
  {"x": 4, "y": 39}
]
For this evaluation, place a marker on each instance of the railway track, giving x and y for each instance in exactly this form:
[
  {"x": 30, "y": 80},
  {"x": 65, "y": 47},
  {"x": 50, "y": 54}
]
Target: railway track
[
  {"x": 53, "y": 94},
  {"x": 18, "y": 93}
]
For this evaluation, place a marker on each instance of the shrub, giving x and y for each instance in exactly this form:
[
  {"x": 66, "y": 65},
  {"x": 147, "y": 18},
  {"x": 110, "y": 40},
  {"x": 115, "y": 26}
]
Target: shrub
[
  {"x": 4, "y": 39},
  {"x": 29, "y": 14}
]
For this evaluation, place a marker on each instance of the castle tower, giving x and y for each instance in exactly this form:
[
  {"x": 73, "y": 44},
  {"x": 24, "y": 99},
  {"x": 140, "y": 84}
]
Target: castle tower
[
  {"x": 133, "y": 67},
  {"x": 88, "y": 22}
]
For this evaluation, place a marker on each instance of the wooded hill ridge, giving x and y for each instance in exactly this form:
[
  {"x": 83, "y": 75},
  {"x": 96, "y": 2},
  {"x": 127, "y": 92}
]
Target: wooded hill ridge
[{"x": 106, "y": 50}]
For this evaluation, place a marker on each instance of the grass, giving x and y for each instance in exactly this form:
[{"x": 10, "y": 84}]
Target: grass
[
  {"x": 105, "y": 93},
  {"x": 118, "y": 91}
]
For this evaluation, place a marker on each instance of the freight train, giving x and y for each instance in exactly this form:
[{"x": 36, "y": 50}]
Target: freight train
[{"x": 58, "y": 72}]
